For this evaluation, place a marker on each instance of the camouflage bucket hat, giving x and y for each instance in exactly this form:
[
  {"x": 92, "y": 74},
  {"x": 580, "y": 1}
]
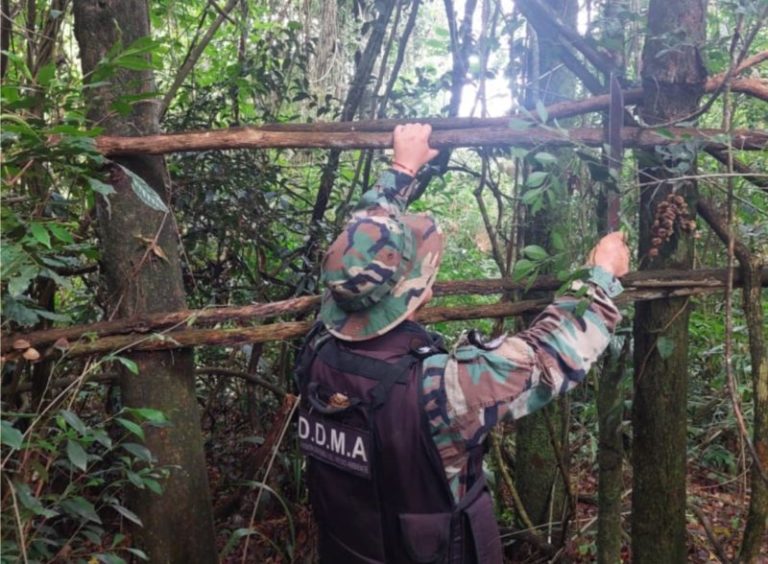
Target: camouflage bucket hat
[{"x": 377, "y": 272}]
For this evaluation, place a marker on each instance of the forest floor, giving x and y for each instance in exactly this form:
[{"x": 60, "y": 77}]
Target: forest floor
[
  {"x": 283, "y": 531},
  {"x": 720, "y": 501}
]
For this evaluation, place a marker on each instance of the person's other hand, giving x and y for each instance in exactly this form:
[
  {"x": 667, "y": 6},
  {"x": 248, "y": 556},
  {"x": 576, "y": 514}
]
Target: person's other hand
[
  {"x": 611, "y": 254},
  {"x": 412, "y": 151}
]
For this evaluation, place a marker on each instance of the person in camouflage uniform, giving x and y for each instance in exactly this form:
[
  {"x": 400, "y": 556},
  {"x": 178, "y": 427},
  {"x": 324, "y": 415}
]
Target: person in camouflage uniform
[{"x": 380, "y": 270}]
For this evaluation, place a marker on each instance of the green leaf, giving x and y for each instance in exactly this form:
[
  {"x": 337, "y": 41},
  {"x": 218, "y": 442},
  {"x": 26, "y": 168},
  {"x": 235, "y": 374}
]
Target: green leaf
[
  {"x": 531, "y": 196},
  {"x": 132, "y": 62},
  {"x": 135, "y": 479},
  {"x": 18, "y": 311},
  {"x": 137, "y": 552},
  {"x": 132, "y": 367},
  {"x": 144, "y": 192},
  {"x": 523, "y": 268},
  {"x": 10, "y": 435},
  {"x": 109, "y": 558},
  {"x": 152, "y": 415},
  {"x": 40, "y": 233},
  {"x": 581, "y": 307},
  {"x": 519, "y": 124},
  {"x": 74, "y": 421},
  {"x": 536, "y": 178},
  {"x": 92, "y": 536},
  {"x": 100, "y": 436},
  {"x": 77, "y": 455},
  {"x": 153, "y": 485},
  {"x": 545, "y": 158},
  {"x": 131, "y": 427},
  {"x": 558, "y": 243},
  {"x": 117, "y": 539},
  {"x": 46, "y": 74},
  {"x": 51, "y": 315},
  {"x": 61, "y": 233},
  {"x": 535, "y": 253},
  {"x": 81, "y": 507},
  {"x": 101, "y": 187},
  {"x": 665, "y": 346},
  {"x": 128, "y": 514},
  {"x": 18, "y": 284},
  {"x": 139, "y": 451},
  {"x": 541, "y": 109},
  {"x": 29, "y": 501}
]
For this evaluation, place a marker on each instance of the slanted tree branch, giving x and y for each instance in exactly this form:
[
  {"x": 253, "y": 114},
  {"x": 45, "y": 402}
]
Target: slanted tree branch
[
  {"x": 195, "y": 54},
  {"x": 351, "y": 104}
]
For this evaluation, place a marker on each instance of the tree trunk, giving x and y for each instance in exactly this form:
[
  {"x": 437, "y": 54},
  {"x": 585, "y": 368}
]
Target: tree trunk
[
  {"x": 754, "y": 530},
  {"x": 539, "y": 480},
  {"x": 178, "y": 525},
  {"x": 673, "y": 81},
  {"x": 610, "y": 394}
]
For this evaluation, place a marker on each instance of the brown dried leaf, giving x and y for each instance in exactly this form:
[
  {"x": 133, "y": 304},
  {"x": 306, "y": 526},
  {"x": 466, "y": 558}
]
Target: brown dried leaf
[{"x": 158, "y": 250}]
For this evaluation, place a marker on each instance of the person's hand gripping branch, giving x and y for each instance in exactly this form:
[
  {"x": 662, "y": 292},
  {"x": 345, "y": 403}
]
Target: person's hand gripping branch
[
  {"x": 412, "y": 150},
  {"x": 611, "y": 254}
]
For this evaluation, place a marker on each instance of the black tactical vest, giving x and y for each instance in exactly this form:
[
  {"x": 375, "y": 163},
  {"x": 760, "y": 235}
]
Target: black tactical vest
[{"x": 377, "y": 485}]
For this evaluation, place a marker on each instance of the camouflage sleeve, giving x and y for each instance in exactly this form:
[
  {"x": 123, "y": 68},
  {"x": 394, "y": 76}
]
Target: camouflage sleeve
[
  {"x": 518, "y": 374},
  {"x": 392, "y": 191}
]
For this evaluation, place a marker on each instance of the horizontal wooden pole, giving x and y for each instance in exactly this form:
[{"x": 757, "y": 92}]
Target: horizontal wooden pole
[
  {"x": 640, "y": 286},
  {"x": 261, "y": 138},
  {"x": 298, "y": 306}
]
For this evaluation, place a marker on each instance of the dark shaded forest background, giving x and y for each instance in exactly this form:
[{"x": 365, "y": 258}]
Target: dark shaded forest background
[{"x": 153, "y": 299}]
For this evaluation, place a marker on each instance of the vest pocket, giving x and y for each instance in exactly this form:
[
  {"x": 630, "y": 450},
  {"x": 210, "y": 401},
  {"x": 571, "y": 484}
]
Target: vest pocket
[{"x": 425, "y": 535}]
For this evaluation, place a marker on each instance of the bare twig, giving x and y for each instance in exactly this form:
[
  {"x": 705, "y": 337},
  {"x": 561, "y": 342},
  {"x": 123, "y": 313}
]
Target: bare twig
[
  {"x": 707, "y": 526},
  {"x": 275, "y": 449}
]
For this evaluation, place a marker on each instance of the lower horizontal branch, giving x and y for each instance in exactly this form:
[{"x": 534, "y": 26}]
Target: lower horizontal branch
[
  {"x": 119, "y": 344},
  {"x": 62, "y": 337}
]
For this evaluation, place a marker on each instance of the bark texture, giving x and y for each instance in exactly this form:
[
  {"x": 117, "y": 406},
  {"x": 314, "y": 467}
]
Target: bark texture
[
  {"x": 352, "y": 138},
  {"x": 673, "y": 82},
  {"x": 178, "y": 526}
]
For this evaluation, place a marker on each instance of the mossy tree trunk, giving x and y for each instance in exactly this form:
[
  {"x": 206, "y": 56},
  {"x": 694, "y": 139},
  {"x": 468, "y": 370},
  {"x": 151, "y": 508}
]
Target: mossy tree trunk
[
  {"x": 673, "y": 81},
  {"x": 177, "y": 525}
]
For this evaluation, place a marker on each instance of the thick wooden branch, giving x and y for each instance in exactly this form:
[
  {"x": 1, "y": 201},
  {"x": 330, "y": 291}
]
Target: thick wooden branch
[
  {"x": 641, "y": 286},
  {"x": 250, "y": 138},
  {"x": 646, "y": 280}
]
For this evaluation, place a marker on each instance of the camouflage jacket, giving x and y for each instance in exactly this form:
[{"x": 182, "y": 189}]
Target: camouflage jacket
[{"x": 471, "y": 389}]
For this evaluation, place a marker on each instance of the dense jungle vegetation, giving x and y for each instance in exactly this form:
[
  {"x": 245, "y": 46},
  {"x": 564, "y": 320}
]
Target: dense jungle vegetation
[{"x": 147, "y": 392}]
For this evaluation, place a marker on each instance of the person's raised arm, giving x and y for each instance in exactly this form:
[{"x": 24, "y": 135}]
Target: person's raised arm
[
  {"x": 411, "y": 151},
  {"x": 515, "y": 375}
]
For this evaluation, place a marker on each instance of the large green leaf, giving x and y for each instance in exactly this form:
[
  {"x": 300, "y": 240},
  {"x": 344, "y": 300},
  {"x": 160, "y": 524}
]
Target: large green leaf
[
  {"x": 10, "y": 435},
  {"x": 144, "y": 191},
  {"x": 81, "y": 507},
  {"x": 77, "y": 455}
]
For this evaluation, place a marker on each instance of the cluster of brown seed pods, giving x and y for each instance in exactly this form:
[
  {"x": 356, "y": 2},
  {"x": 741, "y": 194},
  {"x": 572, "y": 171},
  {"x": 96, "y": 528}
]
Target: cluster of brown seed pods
[{"x": 673, "y": 210}]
